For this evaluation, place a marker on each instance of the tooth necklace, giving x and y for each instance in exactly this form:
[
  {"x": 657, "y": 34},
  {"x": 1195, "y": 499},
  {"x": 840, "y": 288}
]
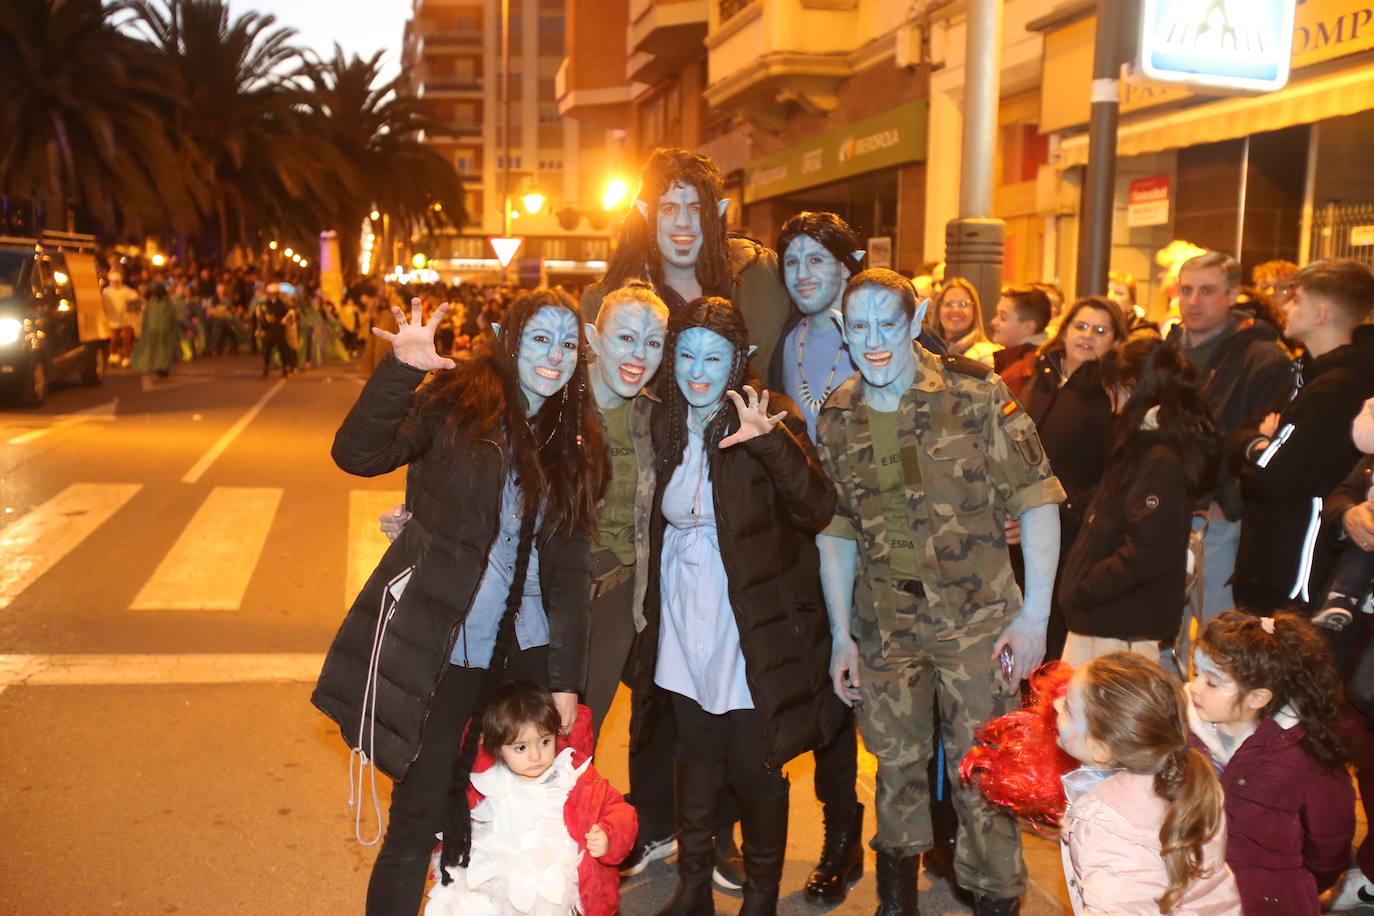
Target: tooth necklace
[{"x": 813, "y": 403}]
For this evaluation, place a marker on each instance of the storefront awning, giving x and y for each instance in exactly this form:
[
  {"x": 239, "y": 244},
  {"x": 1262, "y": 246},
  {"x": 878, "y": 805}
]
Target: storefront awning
[{"x": 1334, "y": 96}]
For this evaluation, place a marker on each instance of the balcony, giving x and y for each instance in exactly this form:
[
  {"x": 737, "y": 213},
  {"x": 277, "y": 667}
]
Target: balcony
[
  {"x": 447, "y": 87},
  {"x": 590, "y": 84},
  {"x": 456, "y": 130},
  {"x": 451, "y": 41},
  {"x": 663, "y": 35}
]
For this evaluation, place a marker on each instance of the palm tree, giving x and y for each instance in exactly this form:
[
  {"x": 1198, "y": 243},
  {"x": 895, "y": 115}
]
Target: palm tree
[
  {"x": 378, "y": 129},
  {"x": 81, "y": 124},
  {"x": 244, "y": 115}
]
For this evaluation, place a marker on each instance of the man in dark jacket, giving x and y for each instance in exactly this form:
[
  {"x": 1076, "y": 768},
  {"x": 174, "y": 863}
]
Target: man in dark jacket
[
  {"x": 1290, "y": 458},
  {"x": 1241, "y": 370}
]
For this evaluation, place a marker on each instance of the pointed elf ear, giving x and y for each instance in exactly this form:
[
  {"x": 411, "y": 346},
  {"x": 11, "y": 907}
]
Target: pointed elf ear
[
  {"x": 593, "y": 337},
  {"x": 837, "y": 316},
  {"x": 643, "y": 207},
  {"x": 752, "y": 350},
  {"x": 495, "y": 329},
  {"x": 721, "y": 206},
  {"x": 920, "y": 318}
]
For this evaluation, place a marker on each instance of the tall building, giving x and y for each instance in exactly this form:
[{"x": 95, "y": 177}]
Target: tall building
[{"x": 453, "y": 56}]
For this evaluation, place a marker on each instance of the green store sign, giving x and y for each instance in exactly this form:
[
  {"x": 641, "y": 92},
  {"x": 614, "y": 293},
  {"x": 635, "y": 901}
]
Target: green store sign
[{"x": 894, "y": 137}]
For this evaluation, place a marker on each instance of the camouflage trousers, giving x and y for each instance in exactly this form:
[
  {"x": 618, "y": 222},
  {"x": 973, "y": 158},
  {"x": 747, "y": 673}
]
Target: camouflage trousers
[{"x": 896, "y": 720}]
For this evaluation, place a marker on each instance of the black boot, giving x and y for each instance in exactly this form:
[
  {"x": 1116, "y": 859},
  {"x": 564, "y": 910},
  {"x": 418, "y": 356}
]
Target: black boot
[
  {"x": 763, "y": 822},
  {"x": 996, "y": 906},
  {"x": 697, "y": 789},
  {"x": 897, "y": 886},
  {"x": 842, "y": 857}
]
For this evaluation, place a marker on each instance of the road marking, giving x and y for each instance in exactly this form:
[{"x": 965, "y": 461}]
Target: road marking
[
  {"x": 200, "y": 467},
  {"x": 210, "y": 565},
  {"x": 103, "y": 412},
  {"x": 149, "y": 383},
  {"x": 81, "y": 670},
  {"x": 35, "y": 542},
  {"x": 366, "y": 543}
]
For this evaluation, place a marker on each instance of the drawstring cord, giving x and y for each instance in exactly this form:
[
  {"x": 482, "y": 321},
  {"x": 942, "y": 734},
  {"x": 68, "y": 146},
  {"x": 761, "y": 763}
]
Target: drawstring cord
[{"x": 367, "y": 718}]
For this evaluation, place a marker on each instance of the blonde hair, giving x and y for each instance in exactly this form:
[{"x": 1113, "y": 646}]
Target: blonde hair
[
  {"x": 636, "y": 291},
  {"x": 1135, "y": 708}
]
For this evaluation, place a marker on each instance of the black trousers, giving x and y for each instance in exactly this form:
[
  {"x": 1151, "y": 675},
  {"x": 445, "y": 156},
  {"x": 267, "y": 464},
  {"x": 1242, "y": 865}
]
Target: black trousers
[
  {"x": 611, "y": 635},
  {"x": 276, "y": 341},
  {"x": 732, "y": 741},
  {"x": 419, "y": 802}
]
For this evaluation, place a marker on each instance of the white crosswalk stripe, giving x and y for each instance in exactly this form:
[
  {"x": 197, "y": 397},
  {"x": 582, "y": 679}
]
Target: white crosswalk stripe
[
  {"x": 366, "y": 543},
  {"x": 38, "y": 540},
  {"x": 211, "y": 563},
  {"x": 97, "y": 669}
]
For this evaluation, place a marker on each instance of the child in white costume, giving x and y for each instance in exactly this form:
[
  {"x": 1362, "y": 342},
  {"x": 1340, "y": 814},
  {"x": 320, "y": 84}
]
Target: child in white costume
[{"x": 547, "y": 829}]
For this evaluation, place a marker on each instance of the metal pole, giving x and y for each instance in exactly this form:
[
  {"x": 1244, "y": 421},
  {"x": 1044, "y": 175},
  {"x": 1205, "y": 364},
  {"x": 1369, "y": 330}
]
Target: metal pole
[
  {"x": 505, "y": 130},
  {"x": 982, "y": 86},
  {"x": 1095, "y": 239},
  {"x": 1240, "y": 202},
  {"x": 1309, "y": 193}
]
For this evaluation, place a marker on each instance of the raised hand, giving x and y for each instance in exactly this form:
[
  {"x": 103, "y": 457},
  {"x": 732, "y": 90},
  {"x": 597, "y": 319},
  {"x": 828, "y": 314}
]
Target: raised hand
[
  {"x": 753, "y": 417},
  {"x": 413, "y": 342}
]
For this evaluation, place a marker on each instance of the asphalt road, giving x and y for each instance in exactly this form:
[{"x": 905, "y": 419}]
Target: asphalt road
[{"x": 175, "y": 556}]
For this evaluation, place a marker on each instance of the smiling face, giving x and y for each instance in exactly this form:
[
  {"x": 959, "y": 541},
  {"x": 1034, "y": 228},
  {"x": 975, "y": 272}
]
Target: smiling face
[
  {"x": 815, "y": 278},
  {"x": 1088, "y": 336},
  {"x": 628, "y": 347},
  {"x": 956, "y": 312},
  {"x": 678, "y": 225},
  {"x": 879, "y": 334},
  {"x": 531, "y": 754},
  {"x": 702, "y": 364},
  {"x": 548, "y": 354}
]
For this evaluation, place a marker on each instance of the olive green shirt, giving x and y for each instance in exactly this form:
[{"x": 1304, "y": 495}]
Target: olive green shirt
[
  {"x": 616, "y": 528},
  {"x": 893, "y": 474}
]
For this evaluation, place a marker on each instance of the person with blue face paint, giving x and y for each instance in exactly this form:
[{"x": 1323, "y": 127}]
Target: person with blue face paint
[
  {"x": 930, "y": 455},
  {"x": 734, "y": 646},
  {"x": 675, "y": 238},
  {"x": 488, "y": 580}
]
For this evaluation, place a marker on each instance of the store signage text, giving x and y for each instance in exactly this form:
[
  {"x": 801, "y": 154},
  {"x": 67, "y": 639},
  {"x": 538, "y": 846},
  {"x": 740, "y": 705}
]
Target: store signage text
[{"x": 1149, "y": 202}]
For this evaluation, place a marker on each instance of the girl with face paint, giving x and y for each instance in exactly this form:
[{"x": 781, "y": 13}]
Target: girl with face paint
[
  {"x": 1264, "y": 702},
  {"x": 1143, "y": 831},
  {"x": 735, "y": 640},
  {"x": 489, "y": 578}
]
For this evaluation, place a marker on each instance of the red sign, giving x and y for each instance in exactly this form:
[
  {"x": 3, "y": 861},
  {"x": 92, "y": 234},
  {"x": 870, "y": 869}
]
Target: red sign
[
  {"x": 505, "y": 247},
  {"x": 1149, "y": 203}
]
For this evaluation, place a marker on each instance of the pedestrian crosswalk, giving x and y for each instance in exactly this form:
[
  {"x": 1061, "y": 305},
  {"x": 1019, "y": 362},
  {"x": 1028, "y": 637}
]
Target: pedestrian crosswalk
[{"x": 213, "y": 559}]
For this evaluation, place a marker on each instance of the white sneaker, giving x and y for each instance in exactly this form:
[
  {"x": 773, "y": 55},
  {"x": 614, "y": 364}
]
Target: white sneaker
[{"x": 1356, "y": 891}]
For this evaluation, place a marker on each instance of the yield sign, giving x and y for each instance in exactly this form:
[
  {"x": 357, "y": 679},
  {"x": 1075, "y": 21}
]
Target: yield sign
[{"x": 505, "y": 247}]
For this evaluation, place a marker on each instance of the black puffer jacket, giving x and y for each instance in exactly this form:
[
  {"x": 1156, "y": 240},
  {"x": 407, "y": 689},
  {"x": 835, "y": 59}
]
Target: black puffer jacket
[
  {"x": 1124, "y": 577},
  {"x": 771, "y": 497},
  {"x": 1073, "y": 421},
  {"x": 454, "y": 498}
]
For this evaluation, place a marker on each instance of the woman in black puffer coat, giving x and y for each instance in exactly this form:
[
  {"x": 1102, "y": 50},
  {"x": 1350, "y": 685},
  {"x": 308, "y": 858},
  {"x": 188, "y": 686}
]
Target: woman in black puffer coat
[
  {"x": 488, "y": 580},
  {"x": 736, "y": 644}
]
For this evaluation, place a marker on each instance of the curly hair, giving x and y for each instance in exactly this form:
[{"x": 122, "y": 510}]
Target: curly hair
[
  {"x": 1136, "y": 708},
  {"x": 637, "y": 256},
  {"x": 1293, "y": 663},
  {"x": 670, "y": 433}
]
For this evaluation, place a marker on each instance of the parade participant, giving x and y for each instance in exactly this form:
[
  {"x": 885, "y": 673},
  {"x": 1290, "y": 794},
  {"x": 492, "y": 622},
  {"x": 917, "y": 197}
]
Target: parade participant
[
  {"x": 929, "y": 455},
  {"x": 958, "y": 321},
  {"x": 1241, "y": 369},
  {"x": 543, "y": 828},
  {"x": 1265, "y": 705},
  {"x": 122, "y": 311},
  {"x": 271, "y": 316},
  {"x": 628, "y": 343},
  {"x": 1297, "y": 454},
  {"x": 161, "y": 338},
  {"x": 820, "y": 254},
  {"x": 1144, "y": 831},
  {"x": 675, "y": 238},
  {"x": 1123, "y": 582},
  {"x": 735, "y": 635},
  {"x": 490, "y": 577}
]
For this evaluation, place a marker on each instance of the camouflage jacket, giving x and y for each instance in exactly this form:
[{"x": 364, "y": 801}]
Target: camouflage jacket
[
  {"x": 641, "y": 411},
  {"x": 971, "y": 459}
]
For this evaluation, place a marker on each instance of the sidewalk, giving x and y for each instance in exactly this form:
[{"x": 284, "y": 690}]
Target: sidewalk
[{"x": 644, "y": 894}]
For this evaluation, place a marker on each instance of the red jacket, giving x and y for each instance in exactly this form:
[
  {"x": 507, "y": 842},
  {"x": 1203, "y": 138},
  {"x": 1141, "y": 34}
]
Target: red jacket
[
  {"x": 1289, "y": 821},
  {"x": 592, "y": 801}
]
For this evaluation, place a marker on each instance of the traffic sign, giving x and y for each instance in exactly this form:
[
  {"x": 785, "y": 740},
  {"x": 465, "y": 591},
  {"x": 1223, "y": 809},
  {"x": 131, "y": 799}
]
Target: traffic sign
[
  {"x": 1222, "y": 44},
  {"x": 505, "y": 247}
]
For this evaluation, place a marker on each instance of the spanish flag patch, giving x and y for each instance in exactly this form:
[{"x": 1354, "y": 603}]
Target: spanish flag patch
[{"x": 1010, "y": 407}]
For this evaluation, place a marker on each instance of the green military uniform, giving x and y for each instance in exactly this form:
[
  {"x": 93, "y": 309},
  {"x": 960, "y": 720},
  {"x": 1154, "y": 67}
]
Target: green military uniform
[{"x": 969, "y": 459}]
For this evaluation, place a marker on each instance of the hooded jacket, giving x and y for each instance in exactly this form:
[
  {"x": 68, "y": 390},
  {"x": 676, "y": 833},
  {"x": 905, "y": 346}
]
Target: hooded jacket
[
  {"x": 593, "y": 801},
  {"x": 1289, "y": 819},
  {"x": 1280, "y": 557},
  {"x": 1248, "y": 371},
  {"x": 454, "y": 497}
]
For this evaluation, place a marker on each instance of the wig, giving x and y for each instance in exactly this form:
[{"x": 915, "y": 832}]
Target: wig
[
  {"x": 830, "y": 230},
  {"x": 1017, "y": 762}
]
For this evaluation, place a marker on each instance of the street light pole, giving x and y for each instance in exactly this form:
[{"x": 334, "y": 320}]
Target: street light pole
[
  {"x": 505, "y": 130},
  {"x": 1099, "y": 187}
]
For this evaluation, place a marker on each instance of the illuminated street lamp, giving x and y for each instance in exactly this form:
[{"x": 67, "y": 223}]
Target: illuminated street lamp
[
  {"x": 616, "y": 190},
  {"x": 272, "y": 244},
  {"x": 304, "y": 262},
  {"x": 289, "y": 253},
  {"x": 533, "y": 201},
  {"x": 374, "y": 215},
  {"x": 158, "y": 260}
]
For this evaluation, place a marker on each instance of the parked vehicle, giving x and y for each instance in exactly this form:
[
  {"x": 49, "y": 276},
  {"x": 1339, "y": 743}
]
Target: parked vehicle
[{"x": 52, "y": 316}]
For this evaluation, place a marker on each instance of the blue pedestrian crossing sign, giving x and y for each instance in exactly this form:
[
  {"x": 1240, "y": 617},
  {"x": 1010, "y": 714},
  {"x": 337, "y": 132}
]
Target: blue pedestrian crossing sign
[{"x": 1241, "y": 45}]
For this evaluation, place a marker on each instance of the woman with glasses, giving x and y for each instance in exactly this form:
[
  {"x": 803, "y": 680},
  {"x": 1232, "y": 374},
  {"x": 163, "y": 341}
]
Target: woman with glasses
[
  {"x": 958, "y": 320},
  {"x": 1072, "y": 413}
]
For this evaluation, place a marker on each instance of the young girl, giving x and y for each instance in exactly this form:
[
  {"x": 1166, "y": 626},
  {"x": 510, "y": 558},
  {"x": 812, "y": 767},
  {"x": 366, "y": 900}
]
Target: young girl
[
  {"x": 1143, "y": 832},
  {"x": 1264, "y": 703},
  {"x": 1122, "y": 585},
  {"x": 545, "y": 830}
]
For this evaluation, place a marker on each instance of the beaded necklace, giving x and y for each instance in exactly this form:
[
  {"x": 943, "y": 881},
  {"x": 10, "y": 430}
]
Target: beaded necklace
[{"x": 814, "y": 404}]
